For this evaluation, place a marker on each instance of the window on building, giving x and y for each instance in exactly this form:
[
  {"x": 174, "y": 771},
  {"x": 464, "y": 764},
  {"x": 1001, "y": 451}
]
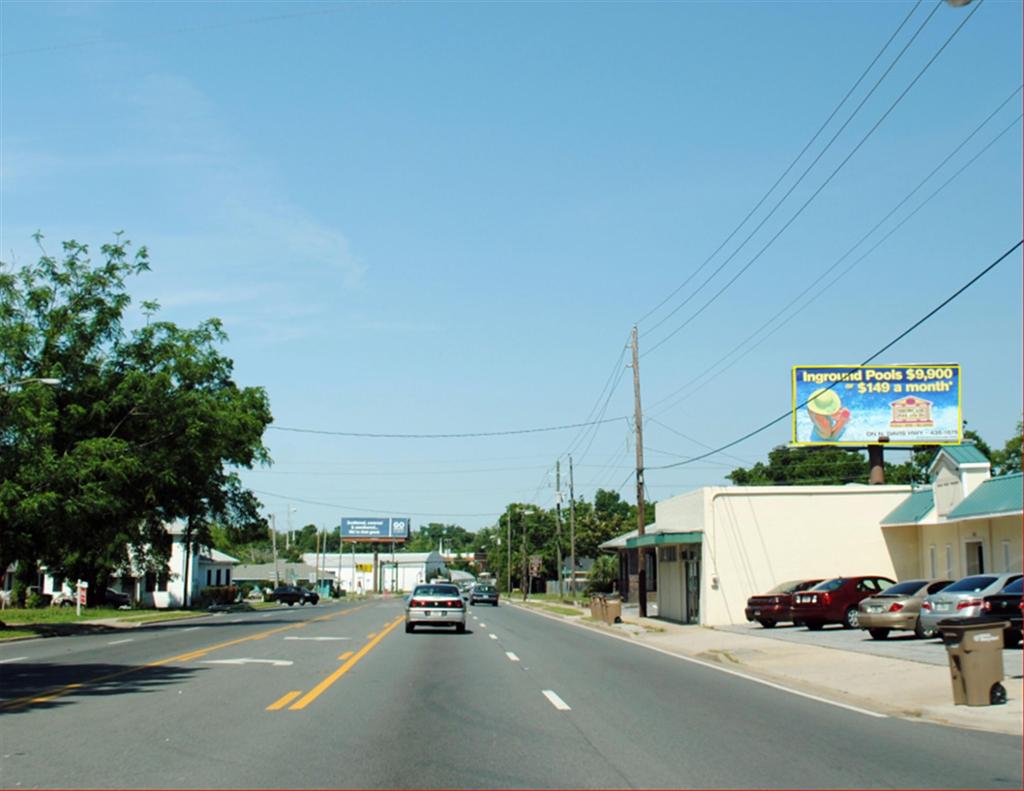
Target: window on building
[
  {"x": 227, "y": 576},
  {"x": 667, "y": 554},
  {"x": 949, "y": 561},
  {"x": 931, "y": 561},
  {"x": 150, "y": 581},
  {"x": 161, "y": 582},
  {"x": 218, "y": 576},
  {"x": 209, "y": 576}
]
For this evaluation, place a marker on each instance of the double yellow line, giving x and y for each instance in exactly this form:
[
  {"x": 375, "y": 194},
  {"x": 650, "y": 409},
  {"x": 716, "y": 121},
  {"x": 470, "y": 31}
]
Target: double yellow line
[
  {"x": 350, "y": 661},
  {"x": 60, "y": 691}
]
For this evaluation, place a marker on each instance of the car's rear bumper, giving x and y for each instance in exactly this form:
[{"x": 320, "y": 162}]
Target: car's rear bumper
[
  {"x": 440, "y": 617},
  {"x": 887, "y": 620},
  {"x": 930, "y": 620},
  {"x": 770, "y": 612},
  {"x": 484, "y": 599}
]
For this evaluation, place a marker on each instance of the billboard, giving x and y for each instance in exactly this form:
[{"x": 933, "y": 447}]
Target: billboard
[
  {"x": 363, "y": 528},
  {"x": 858, "y": 405}
]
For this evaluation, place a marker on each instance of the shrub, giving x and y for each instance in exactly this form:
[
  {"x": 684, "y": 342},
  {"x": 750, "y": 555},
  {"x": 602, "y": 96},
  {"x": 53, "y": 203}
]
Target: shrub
[
  {"x": 603, "y": 574},
  {"x": 223, "y": 594},
  {"x": 35, "y": 601}
]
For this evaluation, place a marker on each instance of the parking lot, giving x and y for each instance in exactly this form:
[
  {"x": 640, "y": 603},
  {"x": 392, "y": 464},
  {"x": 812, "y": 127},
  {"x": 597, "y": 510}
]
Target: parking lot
[{"x": 899, "y": 645}]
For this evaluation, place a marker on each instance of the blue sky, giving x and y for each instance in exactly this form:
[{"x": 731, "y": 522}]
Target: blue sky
[{"x": 446, "y": 217}]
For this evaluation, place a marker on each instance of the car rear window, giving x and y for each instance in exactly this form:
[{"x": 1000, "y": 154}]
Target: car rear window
[
  {"x": 786, "y": 587},
  {"x": 971, "y": 584},
  {"x": 485, "y": 588},
  {"x": 908, "y": 588},
  {"x": 1014, "y": 587},
  {"x": 830, "y": 585},
  {"x": 435, "y": 590}
]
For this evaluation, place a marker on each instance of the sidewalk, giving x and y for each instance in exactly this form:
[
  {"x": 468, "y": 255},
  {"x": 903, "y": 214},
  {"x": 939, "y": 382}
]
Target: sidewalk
[{"x": 896, "y": 687}]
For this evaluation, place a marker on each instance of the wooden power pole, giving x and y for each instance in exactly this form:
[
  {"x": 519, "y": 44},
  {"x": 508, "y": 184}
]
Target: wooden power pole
[
  {"x": 572, "y": 534},
  {"x": 638, "y": 415},
  {"x": 558, "y": 524}
]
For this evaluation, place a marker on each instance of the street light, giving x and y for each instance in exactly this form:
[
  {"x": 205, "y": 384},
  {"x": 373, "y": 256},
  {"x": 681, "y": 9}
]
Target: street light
[
  {"x": 523, "y": 513},
  {"x": 34, "y": 380}
]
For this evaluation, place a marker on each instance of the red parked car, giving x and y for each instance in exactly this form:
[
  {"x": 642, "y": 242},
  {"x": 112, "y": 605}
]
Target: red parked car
[
  {"x": 774, "y": 606},
  {"x": 836, "y": 600}
]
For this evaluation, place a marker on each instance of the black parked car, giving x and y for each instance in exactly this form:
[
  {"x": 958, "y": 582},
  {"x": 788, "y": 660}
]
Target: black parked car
[
  {"x": 292, "y": 595},
  {"x": 1007, "y": 604}
]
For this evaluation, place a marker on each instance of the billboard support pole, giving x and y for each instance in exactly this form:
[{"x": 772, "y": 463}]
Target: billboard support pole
[{"x": 876, "y": 464}]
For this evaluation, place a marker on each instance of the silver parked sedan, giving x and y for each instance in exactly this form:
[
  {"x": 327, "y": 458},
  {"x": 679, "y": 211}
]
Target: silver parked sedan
[
  {"x": 436, "y": 604},
  {"x": 963, "y": 599},
  {"x": 897, "y": 608}
]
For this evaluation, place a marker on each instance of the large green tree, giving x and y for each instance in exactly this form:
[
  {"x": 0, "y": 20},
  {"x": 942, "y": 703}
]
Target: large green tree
[{"x": 145, "y": 427}]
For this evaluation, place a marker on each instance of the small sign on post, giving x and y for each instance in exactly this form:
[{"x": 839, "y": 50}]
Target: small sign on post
[{"x": 80, "y": 593}]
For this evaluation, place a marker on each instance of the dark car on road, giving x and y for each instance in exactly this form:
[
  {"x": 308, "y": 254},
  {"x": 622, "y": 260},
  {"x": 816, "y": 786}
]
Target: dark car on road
[
  {"x": 486, "y": 594},
  {"x": 774, "y": 606},
  {"x": 292, "y": 595},
  {"x": 1009, "y": 605},
  {"x": 836, "y": 600}
]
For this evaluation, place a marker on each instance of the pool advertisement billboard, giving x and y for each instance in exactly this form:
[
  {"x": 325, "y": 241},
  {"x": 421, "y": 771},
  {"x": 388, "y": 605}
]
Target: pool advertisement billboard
[
  {"x": 858, "y": 405},
  {"x": 384, "y": 528}
]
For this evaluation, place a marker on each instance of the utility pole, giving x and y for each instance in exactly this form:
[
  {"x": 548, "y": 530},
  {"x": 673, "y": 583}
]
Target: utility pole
[
  {"x": 572, "y": 534},
  {"x": 316, "y": 562},
  {"x": 558, "y": 524},
  {"x": 526, "y": 578},
  {"x": 638, "y": 414},
  {"x": 508, "y": 567},
  {"x": 273, "y": 544}
]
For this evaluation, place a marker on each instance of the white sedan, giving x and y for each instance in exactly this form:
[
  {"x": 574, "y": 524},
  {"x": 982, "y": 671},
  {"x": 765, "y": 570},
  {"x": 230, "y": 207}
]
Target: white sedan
[{"x": 436, "y": 604}]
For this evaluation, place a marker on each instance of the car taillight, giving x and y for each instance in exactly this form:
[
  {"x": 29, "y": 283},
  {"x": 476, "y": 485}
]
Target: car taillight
[
  {"x": 456, "y": 605},
  {"x": 826, "y": 599},
  {"x": 963, "y": 605},
  {"x": 896, "y": 607},
  {"x": 417, "y": 603},
  {"x": 926, "y": 605}
]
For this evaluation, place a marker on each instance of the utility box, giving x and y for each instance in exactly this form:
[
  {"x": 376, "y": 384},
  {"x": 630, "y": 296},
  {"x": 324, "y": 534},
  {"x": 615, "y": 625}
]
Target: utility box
[{"x": 974, "y": 647}]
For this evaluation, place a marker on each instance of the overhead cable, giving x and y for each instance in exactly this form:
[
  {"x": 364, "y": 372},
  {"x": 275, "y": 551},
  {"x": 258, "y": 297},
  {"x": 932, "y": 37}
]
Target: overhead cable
[
  {"x": 813, "y": 286},
  {"x": 889, "y": 345},
  {"x": 824, "y": 184},
  {"x": 786, "y": 172},
  {"x": 463, "y": 435}
]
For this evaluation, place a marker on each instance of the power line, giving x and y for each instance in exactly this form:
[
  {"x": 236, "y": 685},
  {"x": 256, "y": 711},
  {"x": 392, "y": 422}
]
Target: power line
[
  {"x": 785, "y": 172},
  {"x": 885, "y": 348},
  {"x": 362, "y": 510},
  {"x": 462, "y": 435},
  {"x": 818, "y": 292},
  {"x": 825, "y": 183}
]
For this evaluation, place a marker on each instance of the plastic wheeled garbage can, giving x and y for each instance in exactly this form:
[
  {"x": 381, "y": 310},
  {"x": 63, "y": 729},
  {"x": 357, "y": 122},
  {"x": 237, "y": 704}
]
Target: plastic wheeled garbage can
[
  {"x": 975, "y": 650},
  {"x": 613, "y": 609}
]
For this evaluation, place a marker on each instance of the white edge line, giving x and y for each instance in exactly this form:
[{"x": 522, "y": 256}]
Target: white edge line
[
  {"x": 556, "y": 701},
  {"x": 190, "y": 629},
  {"x": 119, "y": 642},
  {"x": 12, "y": 659},
  {"x": 512, "y": 656},
  {"x": 720, "y": 669}
]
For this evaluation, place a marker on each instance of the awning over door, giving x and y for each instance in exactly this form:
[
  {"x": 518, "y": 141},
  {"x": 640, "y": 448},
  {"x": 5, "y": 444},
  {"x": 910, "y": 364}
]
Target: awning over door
[{"x": 661, "y": 539}]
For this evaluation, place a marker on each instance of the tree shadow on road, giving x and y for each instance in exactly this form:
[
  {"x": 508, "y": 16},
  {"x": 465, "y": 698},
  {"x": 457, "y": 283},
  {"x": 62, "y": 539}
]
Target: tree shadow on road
[{"x": 46, "y": 685}]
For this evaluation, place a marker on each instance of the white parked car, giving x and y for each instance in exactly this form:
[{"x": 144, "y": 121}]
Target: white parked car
[{"x": 963, "y": 599}]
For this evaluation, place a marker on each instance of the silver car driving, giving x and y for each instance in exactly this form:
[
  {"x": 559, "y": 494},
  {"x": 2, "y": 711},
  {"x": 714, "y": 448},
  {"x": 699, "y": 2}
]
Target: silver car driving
[
  {"x": 436, "y": 604},
  {"x": 963, "y": 599}
]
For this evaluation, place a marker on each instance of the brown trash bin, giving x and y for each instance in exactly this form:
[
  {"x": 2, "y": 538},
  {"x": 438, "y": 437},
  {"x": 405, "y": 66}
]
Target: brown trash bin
[
  {"x": 613, "y": 609},
  {"x": 597, "y": 607},
  {"x": 975, "y": 650}
]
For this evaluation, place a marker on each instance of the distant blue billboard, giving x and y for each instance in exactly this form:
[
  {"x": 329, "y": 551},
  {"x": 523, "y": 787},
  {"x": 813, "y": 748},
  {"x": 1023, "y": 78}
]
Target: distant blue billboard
[{"x": 364, "y": 528}]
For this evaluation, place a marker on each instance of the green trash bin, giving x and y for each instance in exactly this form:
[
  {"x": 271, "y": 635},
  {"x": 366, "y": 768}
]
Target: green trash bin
[{"x": 974, "y": 647}]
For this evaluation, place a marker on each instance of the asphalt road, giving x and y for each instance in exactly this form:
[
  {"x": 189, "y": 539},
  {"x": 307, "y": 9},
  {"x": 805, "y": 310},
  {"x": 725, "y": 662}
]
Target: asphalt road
[{"x": 340, "y": 696}]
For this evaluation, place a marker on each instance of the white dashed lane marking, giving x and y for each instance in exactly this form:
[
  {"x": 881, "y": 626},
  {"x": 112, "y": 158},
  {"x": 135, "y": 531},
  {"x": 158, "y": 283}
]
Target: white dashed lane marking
[
  {"x": 493, "y": 636},
  {"x": 512, "y": 656},
  {"x": 556, "y": 701},
  {"x": 119, "y": 642},
  {"x": 12, "y": 659}
]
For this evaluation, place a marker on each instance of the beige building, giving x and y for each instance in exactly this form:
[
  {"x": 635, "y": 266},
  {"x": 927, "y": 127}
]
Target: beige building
[
  {"x": 717, "y": 546},
  {"x": 964, "y": 523}
]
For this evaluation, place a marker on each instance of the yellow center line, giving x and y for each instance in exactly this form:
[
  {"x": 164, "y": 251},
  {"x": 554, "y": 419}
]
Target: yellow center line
[
  {"x": 57, "y": 692},
  {"x": 371, "y": 635},
  {"x": 284, "y": 700},
  {"x": 345, "y": 655},
  {"x": 320, "y": 688}
]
